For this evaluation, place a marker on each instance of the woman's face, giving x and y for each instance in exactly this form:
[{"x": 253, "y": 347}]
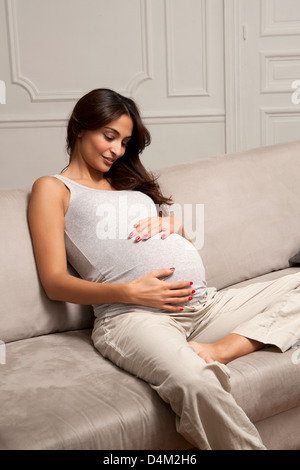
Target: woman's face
[{"x": 99, "y": 149}]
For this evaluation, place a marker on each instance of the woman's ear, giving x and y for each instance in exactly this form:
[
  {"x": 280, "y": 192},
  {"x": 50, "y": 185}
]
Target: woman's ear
[{"x": 77, "y": 132}]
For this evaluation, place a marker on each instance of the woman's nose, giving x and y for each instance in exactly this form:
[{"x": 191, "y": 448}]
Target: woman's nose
[{"x": 117, "y": 149}]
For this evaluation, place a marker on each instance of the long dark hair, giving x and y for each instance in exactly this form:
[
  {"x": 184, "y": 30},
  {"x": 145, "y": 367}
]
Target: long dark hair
[{"x": 95, "y": 110}]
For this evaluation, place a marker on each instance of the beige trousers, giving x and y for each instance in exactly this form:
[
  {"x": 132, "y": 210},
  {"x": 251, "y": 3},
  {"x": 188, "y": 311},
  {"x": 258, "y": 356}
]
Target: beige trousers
[{"x": 154, "y": 346}]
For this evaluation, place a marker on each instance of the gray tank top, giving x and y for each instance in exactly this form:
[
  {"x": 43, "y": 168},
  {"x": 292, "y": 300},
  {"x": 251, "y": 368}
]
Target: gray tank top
[{"x": 97, "y": 227}]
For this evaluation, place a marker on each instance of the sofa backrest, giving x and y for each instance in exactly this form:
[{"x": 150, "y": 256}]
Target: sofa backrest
[
  {"x": 251, "y": 227},
  {"x": 25, "y": 310},
  {"x": 251, "y": 209}
]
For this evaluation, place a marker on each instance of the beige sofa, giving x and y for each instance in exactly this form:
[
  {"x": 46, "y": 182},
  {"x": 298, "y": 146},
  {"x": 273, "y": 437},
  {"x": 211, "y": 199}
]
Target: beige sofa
[{"x": 57, "y": 392}]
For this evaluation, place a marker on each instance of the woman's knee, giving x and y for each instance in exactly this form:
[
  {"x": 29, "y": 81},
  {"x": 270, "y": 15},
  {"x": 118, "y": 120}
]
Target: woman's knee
[{"x": 204, "y": 382}]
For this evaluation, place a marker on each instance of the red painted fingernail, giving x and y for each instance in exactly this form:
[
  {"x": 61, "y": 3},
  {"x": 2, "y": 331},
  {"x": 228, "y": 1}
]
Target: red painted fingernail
[
  {"x": 163, "y": 235},
  {"x": 138, "y": 238},
  {"x": 181, "y": 309},
  {"x": 193, "y": 291},
  {"x": 191, "y": 283},
  {"x": 172, "y": 269},
  {"x": 145, "y": 237},
  {"x": 190, "y": 298},
  {"x": 131, "y": 234}
]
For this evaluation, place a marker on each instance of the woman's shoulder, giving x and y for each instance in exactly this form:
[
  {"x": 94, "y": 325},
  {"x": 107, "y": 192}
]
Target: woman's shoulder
[
  {"x": 48, "y": 183},
  {"x": 48, "y": 189},
  {"x": 49, "y": 193}
]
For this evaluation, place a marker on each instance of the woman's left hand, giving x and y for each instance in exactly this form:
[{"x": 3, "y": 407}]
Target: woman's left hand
[{"x": 147, "y": 228}]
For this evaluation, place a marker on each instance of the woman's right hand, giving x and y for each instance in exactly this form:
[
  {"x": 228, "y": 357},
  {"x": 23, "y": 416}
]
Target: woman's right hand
[{"x": 150, "y": 291}]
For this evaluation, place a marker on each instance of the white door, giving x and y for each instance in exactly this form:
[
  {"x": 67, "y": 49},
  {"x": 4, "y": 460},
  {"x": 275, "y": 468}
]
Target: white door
[{"x": 262, "y": 72}]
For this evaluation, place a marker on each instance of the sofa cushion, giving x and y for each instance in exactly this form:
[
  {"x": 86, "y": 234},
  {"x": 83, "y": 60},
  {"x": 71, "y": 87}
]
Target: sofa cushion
[
  {"x": 266, "y": 382},
  {"x": 25, "y": 309},
  {"x": 57, "y": 392},
  {"x": 251, "y": 209},
  {"x": 267, "y": 277},
  {"x": 281, "y": 431}
]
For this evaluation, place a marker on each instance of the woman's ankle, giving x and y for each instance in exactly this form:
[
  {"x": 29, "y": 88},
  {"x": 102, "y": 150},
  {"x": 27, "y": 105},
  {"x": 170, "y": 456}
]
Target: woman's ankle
[
  {"x": 234, "y": 346},
  {"x": 226, "y": 349}
]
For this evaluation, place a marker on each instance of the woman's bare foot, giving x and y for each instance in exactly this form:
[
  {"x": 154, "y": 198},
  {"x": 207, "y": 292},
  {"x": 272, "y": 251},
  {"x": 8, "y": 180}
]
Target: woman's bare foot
[
  {"x": 208, "y": 352},
  {"x": 227, "y": 349}
]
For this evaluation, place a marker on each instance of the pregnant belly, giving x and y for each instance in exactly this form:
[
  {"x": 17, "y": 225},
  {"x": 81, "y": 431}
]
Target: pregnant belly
[{"x": 133, "y": 260}]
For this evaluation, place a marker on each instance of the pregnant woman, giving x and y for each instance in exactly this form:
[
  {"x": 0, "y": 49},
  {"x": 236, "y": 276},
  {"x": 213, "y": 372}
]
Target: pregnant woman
[{"x": 154, "y": 315}]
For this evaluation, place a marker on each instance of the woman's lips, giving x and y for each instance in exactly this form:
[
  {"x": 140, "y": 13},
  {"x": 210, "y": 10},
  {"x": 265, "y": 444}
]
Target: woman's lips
[{"x": 107, "y": 160}]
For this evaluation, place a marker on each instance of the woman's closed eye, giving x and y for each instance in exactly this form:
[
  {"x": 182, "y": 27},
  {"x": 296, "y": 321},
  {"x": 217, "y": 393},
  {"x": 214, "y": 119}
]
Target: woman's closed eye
[{"x": 110, "y": 138}]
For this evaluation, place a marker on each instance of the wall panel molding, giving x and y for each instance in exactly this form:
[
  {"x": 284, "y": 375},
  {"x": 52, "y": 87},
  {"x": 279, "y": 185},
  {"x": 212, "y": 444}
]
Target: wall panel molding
[
  {"x": 233, "y": 61},
  {"x": 32, "y": 121},
  {"x": 272, "y": 26},
  {"x": 174, "y": 54},
  {"x": 273, "y": 118},
  {"x": 278, "y": 70},
  {"x": 37, "y": 94},
  {"x": 166, "y": 54},
  {"x": 40, "y": 120}
]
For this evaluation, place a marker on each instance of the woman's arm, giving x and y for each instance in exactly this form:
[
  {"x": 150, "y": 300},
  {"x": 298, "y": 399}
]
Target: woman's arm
[{"x": 48, "y": 204}]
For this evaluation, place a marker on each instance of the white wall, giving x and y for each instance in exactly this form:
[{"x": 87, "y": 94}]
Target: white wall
[{"x": 195, "y": 67}]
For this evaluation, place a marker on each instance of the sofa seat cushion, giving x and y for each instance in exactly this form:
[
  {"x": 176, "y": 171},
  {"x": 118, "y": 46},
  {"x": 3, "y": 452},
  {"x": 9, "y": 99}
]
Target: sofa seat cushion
[
  {"x": 266, "y": 382},
  {"x": 58, "y": 393}
]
